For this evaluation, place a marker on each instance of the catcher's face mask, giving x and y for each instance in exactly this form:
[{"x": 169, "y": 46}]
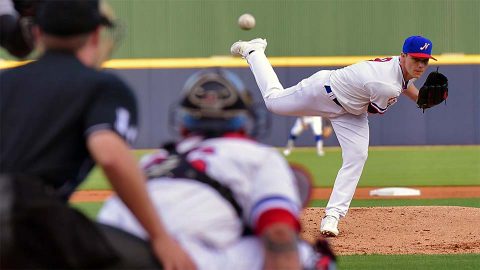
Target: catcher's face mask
[{"x": 215, "y": 101}]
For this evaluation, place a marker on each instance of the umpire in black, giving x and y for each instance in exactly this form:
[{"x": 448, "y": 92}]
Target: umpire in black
[{"x": 58, "y": 117}]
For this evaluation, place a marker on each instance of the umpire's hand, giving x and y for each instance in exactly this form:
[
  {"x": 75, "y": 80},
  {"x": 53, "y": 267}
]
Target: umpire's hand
[{"x": 171, "y": 254}]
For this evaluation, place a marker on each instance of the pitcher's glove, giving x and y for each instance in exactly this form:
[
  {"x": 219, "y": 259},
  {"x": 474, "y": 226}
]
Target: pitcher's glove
[{"x": 434, "y": 91}]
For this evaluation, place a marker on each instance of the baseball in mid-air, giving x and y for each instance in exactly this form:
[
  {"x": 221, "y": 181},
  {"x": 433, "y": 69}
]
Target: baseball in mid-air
[{"x": 246, "y": 21}]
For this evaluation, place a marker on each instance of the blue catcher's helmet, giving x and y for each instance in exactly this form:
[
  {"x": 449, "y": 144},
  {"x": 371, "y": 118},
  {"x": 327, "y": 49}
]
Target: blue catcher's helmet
[{"x": 213, "y": 102}]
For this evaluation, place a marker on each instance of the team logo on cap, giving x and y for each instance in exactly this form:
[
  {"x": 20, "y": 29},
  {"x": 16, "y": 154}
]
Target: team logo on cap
[{"x": 424, "y": 47}]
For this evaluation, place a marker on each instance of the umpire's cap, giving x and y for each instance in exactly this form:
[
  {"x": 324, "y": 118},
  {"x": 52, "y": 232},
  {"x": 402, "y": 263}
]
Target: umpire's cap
[{"x": 70, "y": 17}]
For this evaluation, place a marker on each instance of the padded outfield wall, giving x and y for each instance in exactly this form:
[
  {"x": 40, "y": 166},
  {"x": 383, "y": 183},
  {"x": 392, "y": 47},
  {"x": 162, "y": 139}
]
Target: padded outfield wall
[
  {"x": 456, "y": 123},
  {"x": 158, "y": 84},
  {"x": 176, "y": 29},
  {"x": 205, "y": 28}
]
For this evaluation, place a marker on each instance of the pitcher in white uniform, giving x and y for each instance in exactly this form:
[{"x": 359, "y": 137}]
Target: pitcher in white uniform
[
  {"x": 230, "y": 201},
  {"x": 345, "y": 96}
]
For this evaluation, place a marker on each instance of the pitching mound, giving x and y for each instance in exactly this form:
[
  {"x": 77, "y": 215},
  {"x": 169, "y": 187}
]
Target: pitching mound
[{"x": 401, "y": 230}]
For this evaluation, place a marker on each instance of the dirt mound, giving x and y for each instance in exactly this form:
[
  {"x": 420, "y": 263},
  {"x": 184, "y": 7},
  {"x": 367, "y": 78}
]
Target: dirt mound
[
  {"x": 324, "y": 193},
  {"x": 401, "y": 230}
]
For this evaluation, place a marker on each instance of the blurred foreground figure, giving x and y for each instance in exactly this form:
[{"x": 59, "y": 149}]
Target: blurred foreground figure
[
  {"x": 59, "y": 117},
  {"x": 230, "y": 201}
]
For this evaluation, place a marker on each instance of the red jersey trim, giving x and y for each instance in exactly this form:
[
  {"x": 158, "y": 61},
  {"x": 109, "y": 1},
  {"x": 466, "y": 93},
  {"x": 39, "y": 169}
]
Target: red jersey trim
[
  {"x": 276, "y": 215},
  {"x": 237, "y": 135}
]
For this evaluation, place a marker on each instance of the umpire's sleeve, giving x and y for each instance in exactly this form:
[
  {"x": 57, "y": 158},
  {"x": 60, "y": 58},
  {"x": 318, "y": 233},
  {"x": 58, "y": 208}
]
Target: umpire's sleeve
[{"x": 113, "y": 108}]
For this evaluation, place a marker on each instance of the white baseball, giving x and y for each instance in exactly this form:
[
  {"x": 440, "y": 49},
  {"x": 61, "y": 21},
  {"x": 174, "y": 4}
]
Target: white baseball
[{"x": 246, "y": 21}]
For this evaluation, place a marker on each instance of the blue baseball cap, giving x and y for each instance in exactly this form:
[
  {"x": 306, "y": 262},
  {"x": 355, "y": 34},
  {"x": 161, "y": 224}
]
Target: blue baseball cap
[{"x": 418, "y": 46}]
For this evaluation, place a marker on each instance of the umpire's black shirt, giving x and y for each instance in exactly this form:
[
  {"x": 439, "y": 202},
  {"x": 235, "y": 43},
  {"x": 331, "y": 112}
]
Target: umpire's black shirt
[{"x": 49, "y": 107}]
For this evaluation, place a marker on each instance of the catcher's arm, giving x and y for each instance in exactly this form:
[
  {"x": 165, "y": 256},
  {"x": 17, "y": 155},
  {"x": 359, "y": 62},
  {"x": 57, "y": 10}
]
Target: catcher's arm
[{"x": 280, "y": 244}]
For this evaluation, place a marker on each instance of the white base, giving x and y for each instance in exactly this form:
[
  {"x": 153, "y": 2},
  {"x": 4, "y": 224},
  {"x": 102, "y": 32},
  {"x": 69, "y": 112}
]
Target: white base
[{"x": 395, "y": 191}]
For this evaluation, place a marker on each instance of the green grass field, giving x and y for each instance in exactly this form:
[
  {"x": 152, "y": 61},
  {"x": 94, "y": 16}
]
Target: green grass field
[
  {"x": 386, "y": 166},
  {"x": 410, "y": 262},
  {"x": 406, "y": 166}
]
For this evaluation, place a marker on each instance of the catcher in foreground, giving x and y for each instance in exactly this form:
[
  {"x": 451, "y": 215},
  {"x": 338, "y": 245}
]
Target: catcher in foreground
[{"x": 230, "y": 201}]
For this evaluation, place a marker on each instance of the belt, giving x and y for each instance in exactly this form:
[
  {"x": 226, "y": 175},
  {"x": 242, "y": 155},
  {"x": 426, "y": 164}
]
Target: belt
[{"x": 332, "y": 95}]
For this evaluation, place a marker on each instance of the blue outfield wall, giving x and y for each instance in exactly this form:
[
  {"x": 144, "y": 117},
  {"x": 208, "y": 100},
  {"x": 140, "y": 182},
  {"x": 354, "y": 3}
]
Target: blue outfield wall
[
  {"x": 457, "y": 123},
  {"x": 158, "y": 84}
]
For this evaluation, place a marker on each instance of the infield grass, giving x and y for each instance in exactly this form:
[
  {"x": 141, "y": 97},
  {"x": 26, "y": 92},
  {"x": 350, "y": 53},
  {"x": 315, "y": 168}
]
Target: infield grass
[
  {"x": 385, "y": 167},
  {"x": 410, "y": 262},
  {"x": 465, "y": 202},
  {"x": 406, "y": 166}
]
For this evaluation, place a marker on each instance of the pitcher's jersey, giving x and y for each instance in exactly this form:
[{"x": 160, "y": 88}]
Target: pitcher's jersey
[
  {"x": 258, "y": 175},
  {"x": 376, "y": 82}
]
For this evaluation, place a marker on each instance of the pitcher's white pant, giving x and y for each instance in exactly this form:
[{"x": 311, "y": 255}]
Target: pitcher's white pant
[{"x": 309, "y": 97}]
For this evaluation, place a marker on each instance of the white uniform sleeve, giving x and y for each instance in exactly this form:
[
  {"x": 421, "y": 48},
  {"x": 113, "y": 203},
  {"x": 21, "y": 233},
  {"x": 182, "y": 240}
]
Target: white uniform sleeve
[
  {"x": 273, "y": 188},
  {"x": 110, "y": 211}
]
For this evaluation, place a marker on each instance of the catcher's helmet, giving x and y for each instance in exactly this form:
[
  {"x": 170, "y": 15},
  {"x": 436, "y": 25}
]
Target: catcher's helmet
[{"x": 213, "y": 102}]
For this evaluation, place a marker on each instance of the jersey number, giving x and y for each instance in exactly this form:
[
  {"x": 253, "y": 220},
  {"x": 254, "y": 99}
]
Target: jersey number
[{"x": 123, "y": 127}]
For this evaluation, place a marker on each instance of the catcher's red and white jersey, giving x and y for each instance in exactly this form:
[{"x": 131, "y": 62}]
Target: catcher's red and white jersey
[
  {"x": 258, "y": 175},
  {"x": 377, "y": 82},
  {"x": 203, "y": 222}
]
